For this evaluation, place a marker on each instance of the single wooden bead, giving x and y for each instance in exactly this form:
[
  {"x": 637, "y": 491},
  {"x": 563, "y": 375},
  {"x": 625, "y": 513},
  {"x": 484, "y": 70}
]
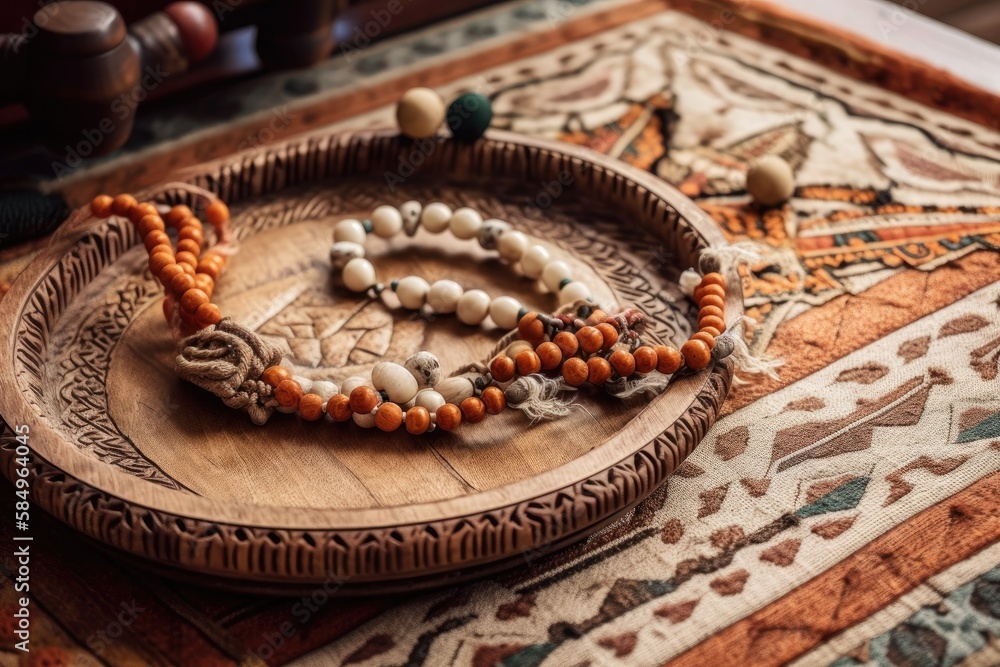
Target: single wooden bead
[
  {"x": 163, "y": 247},
  {"x": 449, "y": 416},
  {"x": 714, "y": 278},
  {"x": 275, "y": 375},
  {"x": 339, "y": 408},
  {"x": 168, "y": 272},
  {"x": 549, "y": 356},
  {"x": 209, "y": 268},
  {"x": 596, "y": 317},
  {"x": 364, "y": 400},
  {"x": 141, "y": 210},
  {"x": 575, "y": 371},
  {"x": 567, "y": 342},
  {"x": 420, "y": 112},
  {"x": 645, "y": 359},
  {"x": 188, "y": 245},
  {"x": 178, "y": 213},
  {"x": 155, "y": 238},
  {"x": 623, "y": 362},
  {"x": 709, "y": 290},
  {"x": 527, "y": 362},
  {"x": 311, "y": 407},
  {"x": 123, "y": 204},
  {"x": 188, "y": 269},
  {"x": 668, "y": 359},
  {"x": 710, "y": 310},
  {"x": 696, "y": 354},
  {"x": 389, "y": 417},
  {"x": 208, "y": 314},
  {"x": 770, "y": 180},
  {"x": 712, "y": 321},
  {"x": 188, "y": 258},
  {"x": 712, "y": 300},
  {"x": 418, "y": 420},
  {"x": 288, "y": 393},
  {"x": 705, "y": 337},
  {"x": 159, "y": 261},
  {"x": 191, "y": 232},
  {"x": 148, "y": 223},
  {"x": 192, "y": 299},
  {"x": 599, "y": 370},
  {"x": 473, "y": 410},
  {"x": 711, "y": 331},
  {"x": 494, "y": 400},
  {"x": 531, "y": 328},
  {"x": 182, "y": 282},
  {"x": 101, "y": 205},
  {"x": 590, "y": 339},
  {"x": 502, "y": 368},
  {"x": 205, "y": 284},
  {"x": 217, "y": 213},
  {"x": 609, "y": 335}
]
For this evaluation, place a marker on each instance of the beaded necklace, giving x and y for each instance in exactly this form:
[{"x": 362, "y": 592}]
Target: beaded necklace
[{"x": 546, "y": 358}]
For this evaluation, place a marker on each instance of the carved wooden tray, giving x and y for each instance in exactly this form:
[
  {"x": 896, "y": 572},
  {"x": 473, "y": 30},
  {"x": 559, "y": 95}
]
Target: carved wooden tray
[{"x": 163, "y": 474}]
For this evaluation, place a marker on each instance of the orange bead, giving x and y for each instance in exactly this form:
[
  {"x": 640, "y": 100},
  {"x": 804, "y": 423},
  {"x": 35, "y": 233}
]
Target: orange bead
[
  {"x": 155, "y": 238},
  {"x": 100, "y": 205},
  {"x": 339, "y": 407},
  {"x": 207, "y": 314},
  {"x": 389, "y": 417},
  {"x": 712, "y": 300},
  {"x": 473, "y": 410},
  {"x": 148, "y": 223},
  {"x": 192, "y": 233},
  {"x": 178, "y": 213},
  {"x": 364, "y": 400},
  {"x": 275, "y": 375},
  {"x": 494, "y": 400},
  {"x": 288, "y": 393},
  {"x": 168, "y": 308},
  {"x": 714, "y": 279},
  {"x": 190, "y": 222},
  {"x": 609, "y": 335},
  {"x": 710, "y": 310},
  {"x": 710, "y": 290},
  {"x": 575, "y": 371},
  {"x": 502, "y": 368},
  {"x": 549, "y": 356},
  {"x": 711, "y": 331},
  {"x": 188, "y": 258},
  {"x": 449, "y": 416},
  {"x": 705, "y": 337},
  {"x": 141, "y": 210},
  {"x": 209, "y": 268},
  {"x": 623, "y": 362},
  {"x": 645, "y": 359},
  {"x": 696, "y": 354},
  {"x": 567, "y": 343},
  {"x": 311, "y": 407},
  {"x": 590, "y": 339},
  {"x": 527, "y": 362},
  {"x": 596, "y": 317},
  {"x": 122, "y": 204},
  {"x": 712, "y": 321},
  {"x": 182, "y": 282},
  {"x": 192, "y": 299},
  {"x": 599, "y": 370},
  {"x": 159, "y": 261},
  {"x": 668, "y": 359},
  {"x": 418, "y": 420},
  {"x": 189, "y": 245},
  {"x": 163, "y": 247},
  {"x": 531, "y": 328},
  {"x": 188, "y": 269},
  {"x": 205, "y": 284},
  {"x": 217, "y": 213}
]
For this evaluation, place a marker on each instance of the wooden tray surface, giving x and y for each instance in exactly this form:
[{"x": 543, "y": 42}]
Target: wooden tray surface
[{"x": 162, "y": 473}]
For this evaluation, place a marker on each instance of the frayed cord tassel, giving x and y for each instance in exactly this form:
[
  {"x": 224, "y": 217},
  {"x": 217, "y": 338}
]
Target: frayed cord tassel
[
  {"x": 733, "y": 343},
  {"x": 540, "y": 398}
]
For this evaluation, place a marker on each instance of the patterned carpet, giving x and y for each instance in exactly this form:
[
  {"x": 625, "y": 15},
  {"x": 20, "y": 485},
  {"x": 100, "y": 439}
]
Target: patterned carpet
[{"x": 846, "y": 514}]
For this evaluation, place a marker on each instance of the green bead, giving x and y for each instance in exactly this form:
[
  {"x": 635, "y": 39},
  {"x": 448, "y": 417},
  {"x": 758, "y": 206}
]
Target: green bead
[{"x": 469, "y": 116}]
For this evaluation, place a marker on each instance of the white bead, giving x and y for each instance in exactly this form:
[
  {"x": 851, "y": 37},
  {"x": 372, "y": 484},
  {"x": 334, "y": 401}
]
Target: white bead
[
  {"x": 359, "y": 274},
  {"x": 304, "y": 382},
  {"x": 553, "y": 274},
  {"x": 512, "y": 245},
  {"x": 534, "y": 260},
  {"x": 573, "y": 291},
  {"x": 429, "y": 399},
  {"x": 420, "y": 112},
  {"x": 397, "y": 382},
  {"x": 387, "y": 221},
  {"x": 473, "y": 307},
  {"x": 504, "y": 310},
  {"x": 349, "y": 230},
  {"x": 435, "y": 217},
  {"x": 456, "y": 389},
  {"x": 352, "y": 383},
  {"x": 425, "y": 367},
  {"x": 325, "y": 390},
  {"x": 411, "y": 216},
  {"x": 342, "y": 252},
  {"x": 465, "y": 223},
  {"x": 364, "y": 421},
  {"x": 444, "y": 295},
  {"x": 689, "y": 281},
  {"x": 412, "y": 292},
  {"x": 491, "y": 231}
]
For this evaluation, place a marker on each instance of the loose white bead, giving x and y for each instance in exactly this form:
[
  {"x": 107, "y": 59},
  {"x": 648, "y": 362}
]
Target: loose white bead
[
  {"x": 512, "y": 245},
  {"x": 349, "y": 230},
  {"x": 425, "y": 367},
  {"x": 473, "y": 307},
  {"x": 397, "y": 382},
  {"x": 420, "y": 112},
  {"x": 435, "y": 217},
  {"x": 364, "y": 421},
  {"x": 352, "y": 383},
  {"x": 465, "y": 223},
  {"x": 689, "y": 281},
  {"x": 444, "y": 295},
  {"x": 553, "y": 274},
  {"x": 342, "y": 252},
  {"x": 534, "y": 260},
  {"x": 491, "y": 231},
  {"x": 573, "y": 291},
  {"x": 504, "y": 310},
  {"x": 456, "y": 389},
  {"x": 411, "y": 216},
  {"x": 387, "y": 221},
  {"x": 359, "y": 274},
  {"x": 429, "y": 399},
  {"x": 412, "y": 292},
  {"x": 325, "y": 390}
]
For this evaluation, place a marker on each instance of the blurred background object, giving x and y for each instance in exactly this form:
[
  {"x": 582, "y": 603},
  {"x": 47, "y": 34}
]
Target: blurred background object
[{"x": 976, "y": 17}]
